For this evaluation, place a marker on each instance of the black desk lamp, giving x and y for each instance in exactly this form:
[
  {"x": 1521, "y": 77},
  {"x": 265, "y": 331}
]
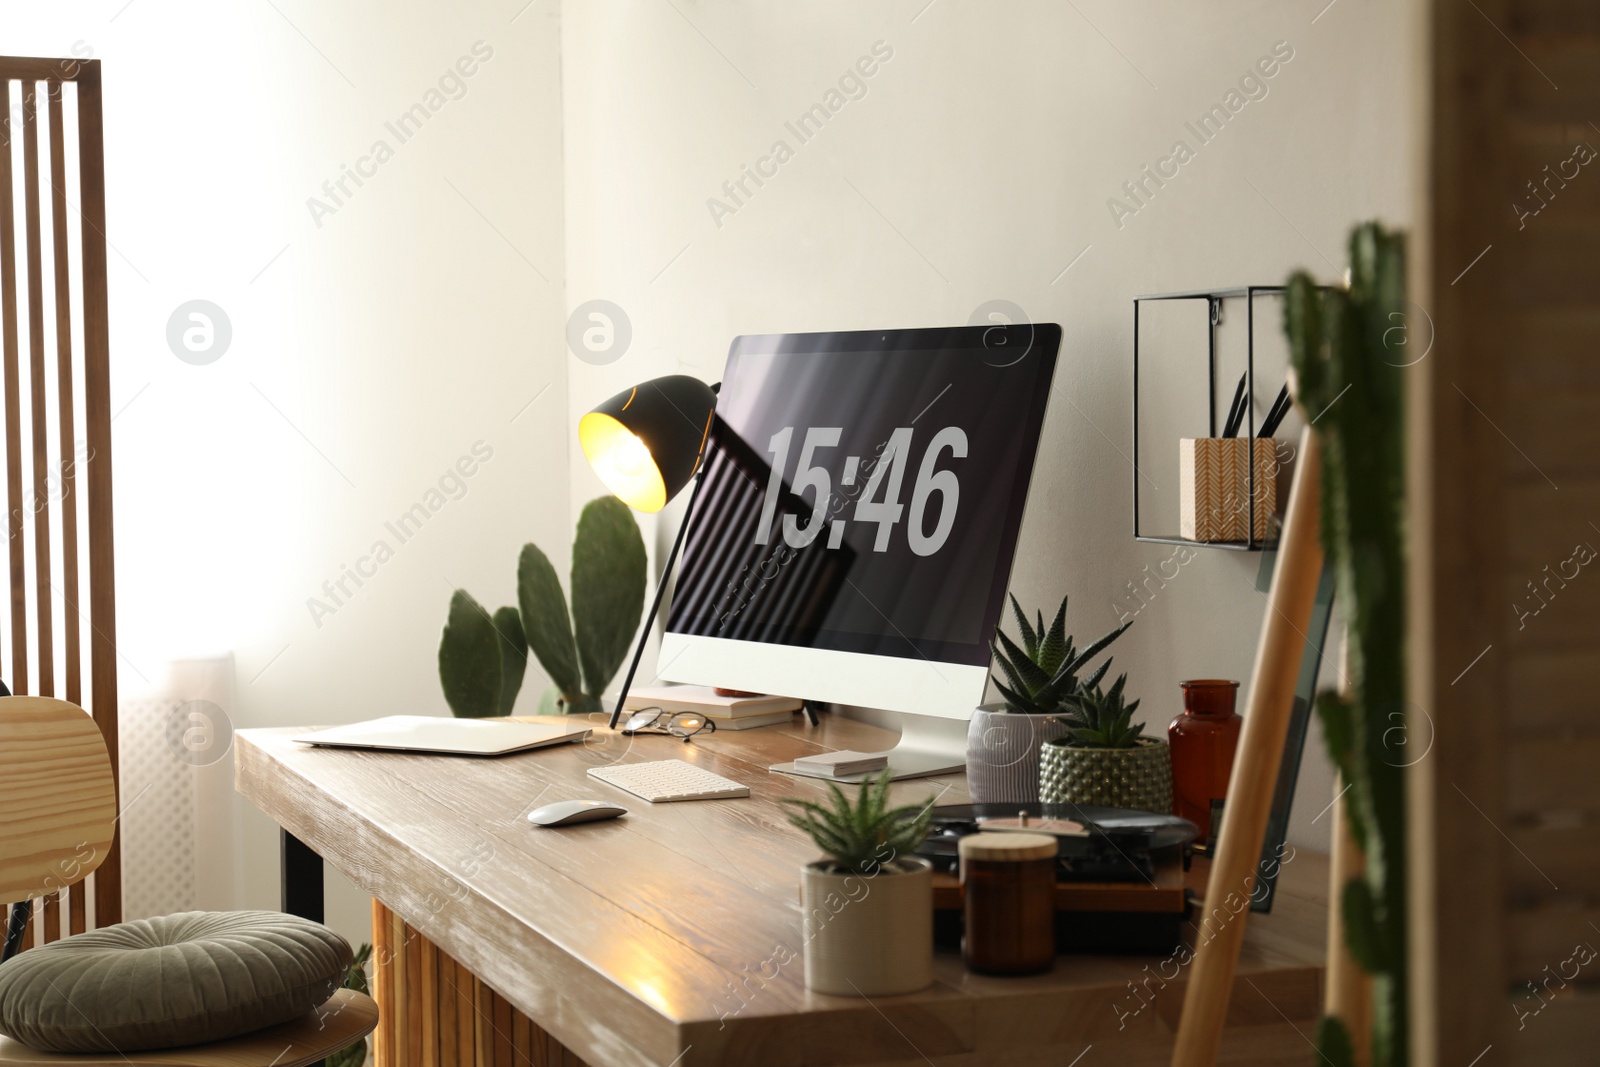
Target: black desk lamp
[{"x": 646, "y": 444}]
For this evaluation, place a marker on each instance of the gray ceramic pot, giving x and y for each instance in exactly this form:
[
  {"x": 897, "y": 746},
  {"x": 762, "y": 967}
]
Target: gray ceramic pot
[
  {"x": 1139, "y": 777},
  {"x": 1003, "y": 754}
]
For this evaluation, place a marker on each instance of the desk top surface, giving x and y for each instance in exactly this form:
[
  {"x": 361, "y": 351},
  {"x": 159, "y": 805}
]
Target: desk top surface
[{"x": 651, "y": 939}]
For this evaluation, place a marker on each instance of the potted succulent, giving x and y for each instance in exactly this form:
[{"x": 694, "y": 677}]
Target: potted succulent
[
  {"x": 1105, "y": 759},
  {"x": 1041, "y": 681},
  {"x": 868, "y": 904}
]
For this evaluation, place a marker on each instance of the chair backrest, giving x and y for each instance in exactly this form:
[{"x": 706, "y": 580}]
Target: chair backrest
[
  {"x": 54, "y": 387},
  {"x": 57, "y": 793}
]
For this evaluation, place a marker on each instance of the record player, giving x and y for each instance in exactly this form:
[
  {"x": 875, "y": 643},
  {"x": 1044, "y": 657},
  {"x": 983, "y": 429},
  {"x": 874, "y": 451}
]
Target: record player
[{"x": 1119, "y": 881}]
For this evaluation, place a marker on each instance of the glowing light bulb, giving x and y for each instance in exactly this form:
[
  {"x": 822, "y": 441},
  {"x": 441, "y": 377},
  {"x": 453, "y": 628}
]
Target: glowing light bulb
[
  {"x": 630, "y": 456},
  {"x": 623, "y": 461}
]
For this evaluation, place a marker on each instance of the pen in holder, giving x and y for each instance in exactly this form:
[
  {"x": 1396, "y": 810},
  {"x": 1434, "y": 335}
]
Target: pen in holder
[{"x": 1214, "y": 488}]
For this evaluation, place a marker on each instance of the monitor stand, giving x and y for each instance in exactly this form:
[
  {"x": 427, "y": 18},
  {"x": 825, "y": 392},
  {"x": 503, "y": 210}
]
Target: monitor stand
[{"x": 928, "y": 745}]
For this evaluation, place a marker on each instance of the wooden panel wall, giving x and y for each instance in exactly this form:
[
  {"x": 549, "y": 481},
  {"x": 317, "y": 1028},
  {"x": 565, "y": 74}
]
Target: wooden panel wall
[
  {"x": 1506, "y": 526},
  {"x": 433, "y": 1012},
  {"x": 56, "y": 439}
]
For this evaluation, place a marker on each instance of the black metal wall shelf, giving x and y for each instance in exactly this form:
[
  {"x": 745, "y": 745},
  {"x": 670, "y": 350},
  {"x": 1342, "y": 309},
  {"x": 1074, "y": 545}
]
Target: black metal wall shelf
[{"x": 1214, "y": 299}]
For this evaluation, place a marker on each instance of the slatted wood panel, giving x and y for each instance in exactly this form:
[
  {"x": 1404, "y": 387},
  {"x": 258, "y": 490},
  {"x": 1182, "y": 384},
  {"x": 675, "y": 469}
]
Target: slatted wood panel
[
  {"x": 1506, "y": 517},
  {"x": 54, "y": 374},
  {"x": 434, "y": 1012}
]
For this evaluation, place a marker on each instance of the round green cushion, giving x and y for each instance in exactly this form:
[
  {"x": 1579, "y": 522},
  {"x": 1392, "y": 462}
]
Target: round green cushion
[{"x": 163, "y": 983}]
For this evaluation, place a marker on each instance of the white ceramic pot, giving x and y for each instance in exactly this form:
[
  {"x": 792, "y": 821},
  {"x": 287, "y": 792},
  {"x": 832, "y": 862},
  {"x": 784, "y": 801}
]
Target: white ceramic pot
[
  {"x": 868, "y": 935},
  {"x": 1003, "y": 754}
]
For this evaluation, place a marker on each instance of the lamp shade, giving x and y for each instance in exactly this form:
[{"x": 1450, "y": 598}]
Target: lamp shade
[{"x": 646, "y": 442}]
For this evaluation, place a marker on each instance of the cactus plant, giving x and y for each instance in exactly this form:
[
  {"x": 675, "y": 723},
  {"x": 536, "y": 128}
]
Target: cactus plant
[
  {"x": 1043, "y": 673},
  {"x": 1100, "y": 719},
  {"x": 605, "y": 605},
  {"x": 482, "y": 658},
  {"x": 473, "y": 659},
  {"x": 1338, "y": 342}
]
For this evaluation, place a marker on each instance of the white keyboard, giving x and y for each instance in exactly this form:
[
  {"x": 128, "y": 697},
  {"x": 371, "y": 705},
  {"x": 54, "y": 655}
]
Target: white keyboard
[{"x": 667, "y": 780}]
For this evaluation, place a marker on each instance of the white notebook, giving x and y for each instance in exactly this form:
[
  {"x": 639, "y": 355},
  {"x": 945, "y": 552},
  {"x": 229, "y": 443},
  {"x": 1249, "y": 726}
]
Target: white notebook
[
  {"x": 456, "y": 737},
  {"x": 838, "y": 764},
  {"x": 705, "y": 700}
]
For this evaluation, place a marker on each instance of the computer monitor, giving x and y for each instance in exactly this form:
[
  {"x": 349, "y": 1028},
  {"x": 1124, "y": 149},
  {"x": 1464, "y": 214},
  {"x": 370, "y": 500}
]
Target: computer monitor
[{"x": 850, "y": 539}]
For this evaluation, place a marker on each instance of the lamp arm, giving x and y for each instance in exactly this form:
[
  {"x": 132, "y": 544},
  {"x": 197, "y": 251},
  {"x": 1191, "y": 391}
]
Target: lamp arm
[
  {"x": 655, "y": 603},
  {"x": 661, "y": 588}
]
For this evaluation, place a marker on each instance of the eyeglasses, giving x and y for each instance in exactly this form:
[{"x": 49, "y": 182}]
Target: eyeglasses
[{"x": 684, "y": 724}]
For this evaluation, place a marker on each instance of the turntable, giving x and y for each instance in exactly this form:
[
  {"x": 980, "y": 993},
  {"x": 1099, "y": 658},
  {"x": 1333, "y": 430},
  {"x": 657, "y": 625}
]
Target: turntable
[{"x": 1119, "y": 883}]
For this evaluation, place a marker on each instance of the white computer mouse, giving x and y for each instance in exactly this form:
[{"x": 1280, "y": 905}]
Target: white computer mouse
[{"x": 572, "y": 812}]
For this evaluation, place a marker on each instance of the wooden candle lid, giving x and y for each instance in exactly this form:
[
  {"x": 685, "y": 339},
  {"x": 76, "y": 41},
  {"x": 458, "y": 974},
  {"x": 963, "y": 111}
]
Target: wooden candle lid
[{"x": 1007, "y": 847}]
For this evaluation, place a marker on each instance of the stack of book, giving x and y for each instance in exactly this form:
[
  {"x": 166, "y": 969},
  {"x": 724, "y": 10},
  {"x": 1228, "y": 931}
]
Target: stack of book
[
  {"x": 729, "y": 713},
  {"x": 840, "y": 764}
]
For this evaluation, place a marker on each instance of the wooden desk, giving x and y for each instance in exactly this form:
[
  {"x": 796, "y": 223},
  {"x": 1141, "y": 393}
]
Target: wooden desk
[{"x": 644, "y": 941}]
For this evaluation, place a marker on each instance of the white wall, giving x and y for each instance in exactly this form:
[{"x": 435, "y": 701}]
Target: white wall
[
  {"x": 369, "y": 352},
  {"x": 978, "y": 165}
]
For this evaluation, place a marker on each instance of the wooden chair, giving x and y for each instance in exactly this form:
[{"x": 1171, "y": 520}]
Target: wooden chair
[
  {"x": 61, "y": 812},
  {"x": 58, "y": 489}
]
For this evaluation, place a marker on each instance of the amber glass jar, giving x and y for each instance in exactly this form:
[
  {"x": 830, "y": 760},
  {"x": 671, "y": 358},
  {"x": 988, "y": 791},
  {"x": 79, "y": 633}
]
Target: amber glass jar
[
  {"x": 1009, "y": 897},
  {"x": 1202, "y": 741}
]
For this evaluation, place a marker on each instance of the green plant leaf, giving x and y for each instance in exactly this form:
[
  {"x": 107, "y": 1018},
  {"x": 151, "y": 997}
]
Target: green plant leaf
[
  {"x": 1338, "y": 733},
  {"x": 544, "y": 621},
  {"x": 1011, "y": 694},
  {"x": 1043, "y": 672},
  {"x": 1032, "y": 676},
  {"x": 608, "y": 581},
  {"x": 1030, "y": 636},
  {"x": 1338, "y": 729},
  {"x": 1018, "y": 702},
  {"x": 1102, "y": 719},
  {"x": 469, "y": 659},
  {"x": 1303, "y": 322},
  {"x": 1092, "y": 651},
  {"x": 1355, "y": 340},
  {"x": 1053, "y": 646},
  {"x": 513, "y": 656},
  {"x": 355, "y": 1054},
  {"x": 1361, "y": 933},
  {"x": 1093, "y": 681},
  {"x": 1334, "y": 1044},
  {"x": 855, "y": 834},
  {"x": 356, "y": 977}
]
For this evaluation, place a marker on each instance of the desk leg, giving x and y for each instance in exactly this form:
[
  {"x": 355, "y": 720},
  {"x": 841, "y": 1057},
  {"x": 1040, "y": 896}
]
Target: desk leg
[
  {"x": 302, "y": 878},
  {"x": 302, "y": 884}
]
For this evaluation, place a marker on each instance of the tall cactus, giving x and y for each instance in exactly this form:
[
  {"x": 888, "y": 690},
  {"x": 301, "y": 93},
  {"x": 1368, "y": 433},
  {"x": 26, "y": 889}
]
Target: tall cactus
[
  {"x": 1339, "y": 340},
  {"x": 482, "y": 658}
]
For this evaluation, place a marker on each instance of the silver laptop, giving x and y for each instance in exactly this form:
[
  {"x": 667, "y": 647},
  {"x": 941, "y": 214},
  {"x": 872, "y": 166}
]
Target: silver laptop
[{"x": 456, "y": 737}]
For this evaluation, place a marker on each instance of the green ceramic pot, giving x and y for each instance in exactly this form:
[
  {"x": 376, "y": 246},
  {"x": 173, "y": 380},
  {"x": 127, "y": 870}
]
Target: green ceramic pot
[{"x": 1139, "y": 777}]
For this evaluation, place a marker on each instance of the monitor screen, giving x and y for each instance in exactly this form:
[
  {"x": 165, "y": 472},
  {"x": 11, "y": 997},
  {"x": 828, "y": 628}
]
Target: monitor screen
[{"x": 863, "y": 491}]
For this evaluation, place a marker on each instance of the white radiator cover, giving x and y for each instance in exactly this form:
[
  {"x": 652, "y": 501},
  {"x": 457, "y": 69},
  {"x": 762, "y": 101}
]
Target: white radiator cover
[{"x": 176, "y": 793}]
